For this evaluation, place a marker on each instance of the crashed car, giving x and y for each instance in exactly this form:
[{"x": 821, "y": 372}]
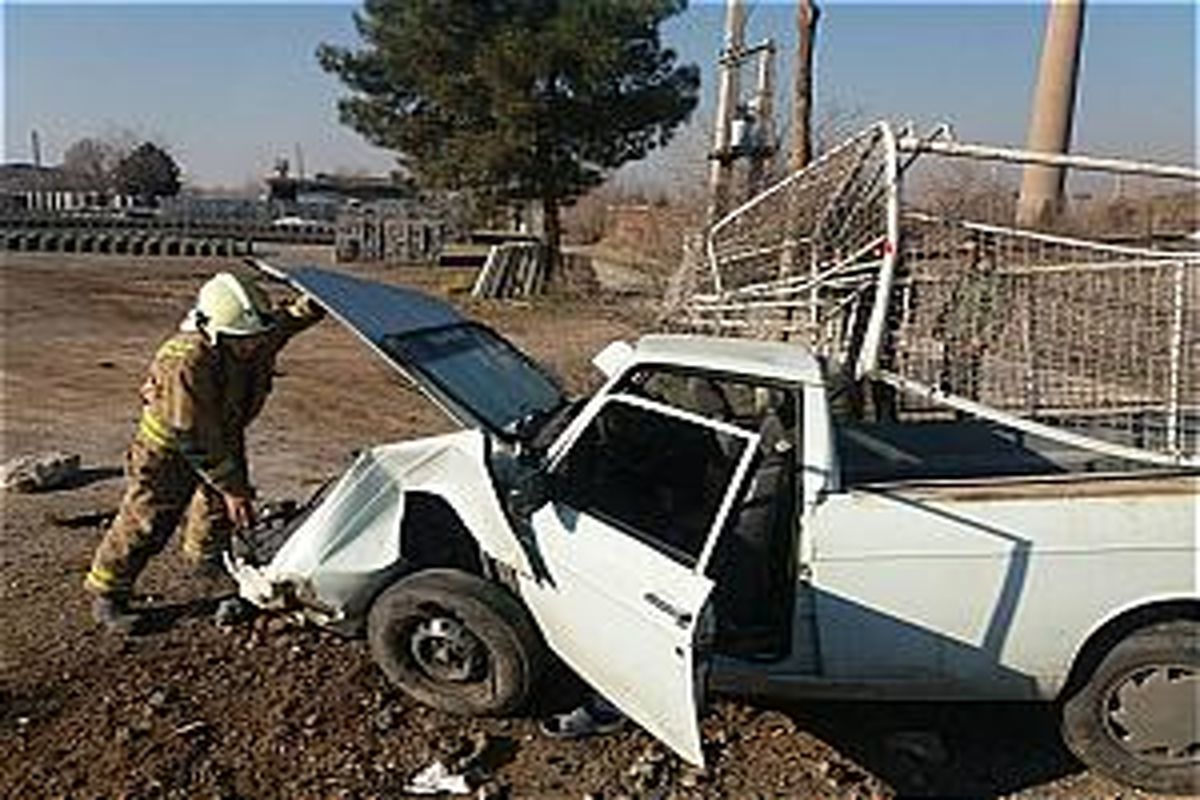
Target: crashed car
[{"x": 704, "y": 523}]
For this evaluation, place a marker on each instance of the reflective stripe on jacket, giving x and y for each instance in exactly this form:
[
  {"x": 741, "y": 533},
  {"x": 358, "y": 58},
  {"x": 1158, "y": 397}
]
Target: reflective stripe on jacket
[{"x": 198, "y": 401}]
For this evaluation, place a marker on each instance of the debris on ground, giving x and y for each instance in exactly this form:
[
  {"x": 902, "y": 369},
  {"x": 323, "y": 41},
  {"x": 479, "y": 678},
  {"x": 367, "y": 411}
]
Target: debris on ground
[
  {"x": 513, "y": 269},
  {"x": 437, "y": 779},
  {"x": 648, "y": 770},
  {"x": 40, "y": 473},
  {"x": 233, "y": 611}
]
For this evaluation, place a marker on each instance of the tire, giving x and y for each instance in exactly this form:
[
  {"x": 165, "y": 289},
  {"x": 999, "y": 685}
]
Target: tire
[
  {"x": 456, "y": 642},
  {"x": 1137, "y": 718}
]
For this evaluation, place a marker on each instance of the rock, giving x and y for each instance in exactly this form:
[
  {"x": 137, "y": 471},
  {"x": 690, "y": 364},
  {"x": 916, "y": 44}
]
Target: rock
[
  {"x": 492, "y": 790},
  {"x": 777, "y": 723},
  {"x": 384, "y": 720},
  {"x": 653, "y": 754},
  {"x": 468, "y": 756},
  {"x": 39, "y": 473},
  {"x": 646, "y": 770},
  {"x": 190, "y": 728},
  {"x": 158, "y": 698},
  {"x": 642, "y": 770}
]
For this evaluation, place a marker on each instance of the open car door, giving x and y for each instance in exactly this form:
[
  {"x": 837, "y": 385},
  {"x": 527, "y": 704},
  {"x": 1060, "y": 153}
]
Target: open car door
[
  {"x": 472, "y": 373},
  {"x": 639, "y": 495}
]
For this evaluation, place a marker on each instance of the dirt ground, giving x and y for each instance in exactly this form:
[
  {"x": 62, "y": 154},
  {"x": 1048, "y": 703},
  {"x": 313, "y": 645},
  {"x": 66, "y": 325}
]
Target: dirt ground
[{"x": 269, "y": 710}]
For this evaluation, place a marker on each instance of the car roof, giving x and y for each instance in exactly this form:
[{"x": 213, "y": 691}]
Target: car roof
[{"x": 780, "y": 361}]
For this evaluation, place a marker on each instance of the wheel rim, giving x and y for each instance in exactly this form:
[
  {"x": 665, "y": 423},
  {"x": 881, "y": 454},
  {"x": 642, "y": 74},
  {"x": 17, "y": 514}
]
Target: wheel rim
[
  {"x": 446, "y": 650},
  {"x": 1151, "y": 714}
]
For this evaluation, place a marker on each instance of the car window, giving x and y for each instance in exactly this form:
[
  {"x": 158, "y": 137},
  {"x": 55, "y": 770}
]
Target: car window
[
  {"x": 659, "y": 477},
  {"x": 738, "y": 402},
  {"x": 480, "y": 371}
]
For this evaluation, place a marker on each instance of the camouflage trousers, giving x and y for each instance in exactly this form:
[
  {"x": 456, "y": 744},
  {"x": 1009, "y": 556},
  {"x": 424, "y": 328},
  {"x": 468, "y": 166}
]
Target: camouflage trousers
[{"x": 161, "y": 489}]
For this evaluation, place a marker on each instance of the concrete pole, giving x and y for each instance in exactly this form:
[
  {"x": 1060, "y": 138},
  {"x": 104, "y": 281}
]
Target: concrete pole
[
  {"x": 1041, "y": 197},
  {"x": 764, "y": 119},
  {"x": 721, "y": 167},
  {"x": 806, "y": 33}
]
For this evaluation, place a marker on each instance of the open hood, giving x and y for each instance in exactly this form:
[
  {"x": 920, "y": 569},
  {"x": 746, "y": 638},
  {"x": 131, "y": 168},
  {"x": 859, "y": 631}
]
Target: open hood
[{"x": 476, "y": 376}]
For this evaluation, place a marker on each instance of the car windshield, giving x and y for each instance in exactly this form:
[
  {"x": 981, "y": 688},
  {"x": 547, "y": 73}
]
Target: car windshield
[{"x": 479, "y": 371}]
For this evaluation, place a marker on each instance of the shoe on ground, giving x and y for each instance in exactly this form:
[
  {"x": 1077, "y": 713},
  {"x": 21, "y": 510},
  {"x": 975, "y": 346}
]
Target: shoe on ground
[
  {"x": 588, "y": 719},
  {"x": 115, "y": 616}
]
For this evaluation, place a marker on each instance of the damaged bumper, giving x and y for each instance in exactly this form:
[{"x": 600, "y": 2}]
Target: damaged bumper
[{"x": 349, "y": 547}]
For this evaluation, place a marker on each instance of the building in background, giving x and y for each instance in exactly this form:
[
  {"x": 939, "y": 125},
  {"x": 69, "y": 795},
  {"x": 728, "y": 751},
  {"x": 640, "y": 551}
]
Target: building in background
[
  {"x": 32, "y": 188},
  {"x": 323, "y": 196}
]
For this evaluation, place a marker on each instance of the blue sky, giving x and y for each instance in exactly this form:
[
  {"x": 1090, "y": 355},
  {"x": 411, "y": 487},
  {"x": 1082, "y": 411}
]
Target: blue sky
[{"x": 228, "y": 87}]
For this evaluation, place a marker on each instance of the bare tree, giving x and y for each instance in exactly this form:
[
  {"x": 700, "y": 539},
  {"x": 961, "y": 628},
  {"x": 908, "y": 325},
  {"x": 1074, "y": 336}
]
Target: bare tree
[{"x": 92, "y": 160}]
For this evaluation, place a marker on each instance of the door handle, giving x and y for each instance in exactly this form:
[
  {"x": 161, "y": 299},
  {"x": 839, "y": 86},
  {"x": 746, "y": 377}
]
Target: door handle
[{"x": 682, "y": 618}]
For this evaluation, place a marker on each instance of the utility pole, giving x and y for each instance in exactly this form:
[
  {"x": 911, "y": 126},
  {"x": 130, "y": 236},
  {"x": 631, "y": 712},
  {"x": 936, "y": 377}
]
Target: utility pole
[
  {"x": 299, "y": 162},
  {"x": 806, "y": 33},
  {"x": 1041, "y": 197},
  {"x": 720, "y": 176},
  {"x": 763, "y": 114}
]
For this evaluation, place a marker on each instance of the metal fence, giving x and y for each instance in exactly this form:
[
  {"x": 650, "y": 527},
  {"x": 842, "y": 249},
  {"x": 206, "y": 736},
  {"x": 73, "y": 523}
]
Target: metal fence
[
  {"x": 799, "y": 259},
  {"x": 1087, "y": 342},
  {"x": 1090, "y": 337}
]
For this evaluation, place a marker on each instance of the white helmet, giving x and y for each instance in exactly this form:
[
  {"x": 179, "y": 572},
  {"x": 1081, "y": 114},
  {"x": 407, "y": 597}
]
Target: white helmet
[{"x": 231, "y": 306}]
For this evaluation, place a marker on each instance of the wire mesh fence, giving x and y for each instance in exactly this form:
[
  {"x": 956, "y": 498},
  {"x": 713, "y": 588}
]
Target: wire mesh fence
[
  {"x": 799, "y": 259},
  {"x": 1086, "y": 336},
  {"x": 1092, "y": 338}
]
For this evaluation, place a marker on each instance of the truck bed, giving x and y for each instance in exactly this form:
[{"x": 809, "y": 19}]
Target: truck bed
[{"x": 966, "y": 449}]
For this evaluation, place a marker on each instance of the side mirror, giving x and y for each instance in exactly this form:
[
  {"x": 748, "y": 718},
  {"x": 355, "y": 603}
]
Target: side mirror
[{"x": 531, "y": 492}]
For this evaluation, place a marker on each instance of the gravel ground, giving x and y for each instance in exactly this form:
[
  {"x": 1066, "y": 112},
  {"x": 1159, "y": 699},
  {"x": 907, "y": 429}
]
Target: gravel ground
[{"x": 270, "y": 710}]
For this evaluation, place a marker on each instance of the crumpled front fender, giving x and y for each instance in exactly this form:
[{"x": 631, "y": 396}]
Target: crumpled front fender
[{"x": 335, "y": 561}]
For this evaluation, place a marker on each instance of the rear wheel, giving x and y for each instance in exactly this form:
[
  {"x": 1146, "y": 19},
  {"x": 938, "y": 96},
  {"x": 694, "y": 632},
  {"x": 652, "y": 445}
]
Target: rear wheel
[
  {"x": 1137, "y": 719},
  {"x": 456, "y": 642}
]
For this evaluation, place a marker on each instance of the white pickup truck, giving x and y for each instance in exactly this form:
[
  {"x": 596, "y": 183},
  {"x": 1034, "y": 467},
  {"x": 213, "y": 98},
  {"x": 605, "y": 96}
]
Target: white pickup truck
[{"x": 704, "y": 523}]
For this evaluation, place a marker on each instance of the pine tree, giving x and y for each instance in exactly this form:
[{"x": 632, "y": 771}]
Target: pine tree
[{"x": 518, "y": 99}]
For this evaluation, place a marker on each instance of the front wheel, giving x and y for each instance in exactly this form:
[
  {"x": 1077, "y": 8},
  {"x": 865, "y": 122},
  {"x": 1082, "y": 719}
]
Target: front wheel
[
  {"x": 456, "y": 642},
  {"x": 1137, "y": 719}
]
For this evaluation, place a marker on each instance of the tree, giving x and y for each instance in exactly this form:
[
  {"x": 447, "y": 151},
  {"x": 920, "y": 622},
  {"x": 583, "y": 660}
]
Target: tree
[
  {"x": 147, "y": 173},
  {"x": 92, "y": 160},
  {"x": 523, "y": 99}
]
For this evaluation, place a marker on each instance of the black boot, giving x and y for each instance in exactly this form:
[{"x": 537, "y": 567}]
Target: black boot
[{"x": 113, "y": 612}]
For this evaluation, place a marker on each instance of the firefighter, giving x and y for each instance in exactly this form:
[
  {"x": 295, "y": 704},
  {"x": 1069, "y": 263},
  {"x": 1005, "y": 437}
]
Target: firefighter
[{"x": 205, "y": 385}]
